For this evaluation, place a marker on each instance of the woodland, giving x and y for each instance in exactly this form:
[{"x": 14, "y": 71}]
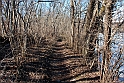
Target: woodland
[{"x": 61, "y": 41}]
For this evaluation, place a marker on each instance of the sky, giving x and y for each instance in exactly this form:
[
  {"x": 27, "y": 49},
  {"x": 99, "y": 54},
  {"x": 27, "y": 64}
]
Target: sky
[{"x": 119, "y": 12}]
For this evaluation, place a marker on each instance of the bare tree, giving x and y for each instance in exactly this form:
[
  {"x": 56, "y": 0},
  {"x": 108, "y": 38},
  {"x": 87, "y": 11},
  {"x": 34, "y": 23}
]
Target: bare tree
[
  {"x": 73, "y": 23},
  {"x": 27, "y": 22},
  {"x": 89, "y": 15},
  {"x": 107, "y": 34}
]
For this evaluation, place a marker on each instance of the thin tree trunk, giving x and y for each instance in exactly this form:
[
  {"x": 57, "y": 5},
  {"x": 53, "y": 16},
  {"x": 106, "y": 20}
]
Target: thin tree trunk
[
  {"x": 73, "y": 24},
  {"x": 107, "y": 35},
  {"x": 87, "y": 24},
  {"x": 79, "y": 30}
]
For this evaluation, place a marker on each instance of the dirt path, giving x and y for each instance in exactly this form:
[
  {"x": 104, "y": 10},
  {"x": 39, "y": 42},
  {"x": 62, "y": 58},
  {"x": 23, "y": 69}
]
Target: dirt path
[{"x": 48, "y": 64}]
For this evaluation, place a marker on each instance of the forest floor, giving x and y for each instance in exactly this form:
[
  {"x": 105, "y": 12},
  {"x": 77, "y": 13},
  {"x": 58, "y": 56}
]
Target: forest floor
[{"x": 47, "y": 63}]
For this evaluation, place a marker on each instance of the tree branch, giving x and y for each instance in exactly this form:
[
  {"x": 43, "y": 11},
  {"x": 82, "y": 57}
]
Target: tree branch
[{"x": 45, "y": 1}]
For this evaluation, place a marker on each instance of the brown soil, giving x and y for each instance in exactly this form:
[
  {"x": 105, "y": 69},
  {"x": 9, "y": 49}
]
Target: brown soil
[{"x": 47, "y": 63}]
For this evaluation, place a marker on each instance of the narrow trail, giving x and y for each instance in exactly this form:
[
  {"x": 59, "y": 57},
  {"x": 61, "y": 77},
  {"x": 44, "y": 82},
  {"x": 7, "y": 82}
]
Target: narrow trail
[{"x": 48, "y": 63}]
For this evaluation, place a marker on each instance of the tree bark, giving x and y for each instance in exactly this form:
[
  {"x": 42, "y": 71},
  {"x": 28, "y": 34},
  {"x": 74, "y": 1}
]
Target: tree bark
[
  {"x": 73, "y": 24},
  {"x": 107, "y": 35},
  {"x": 86, "y": 28}
]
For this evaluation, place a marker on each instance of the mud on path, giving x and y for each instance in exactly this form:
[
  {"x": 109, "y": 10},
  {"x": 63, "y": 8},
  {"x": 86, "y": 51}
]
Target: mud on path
[{"x": 47, "y": 63}]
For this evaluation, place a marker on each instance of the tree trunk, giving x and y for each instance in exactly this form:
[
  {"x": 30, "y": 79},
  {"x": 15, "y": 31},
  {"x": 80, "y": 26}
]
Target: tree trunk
[
  {"x": 87, "y": 26},
  {"x": 79, "y": 28},
  {"x": 107, "y": 35},
  {"x": 73, "y": 24}
]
